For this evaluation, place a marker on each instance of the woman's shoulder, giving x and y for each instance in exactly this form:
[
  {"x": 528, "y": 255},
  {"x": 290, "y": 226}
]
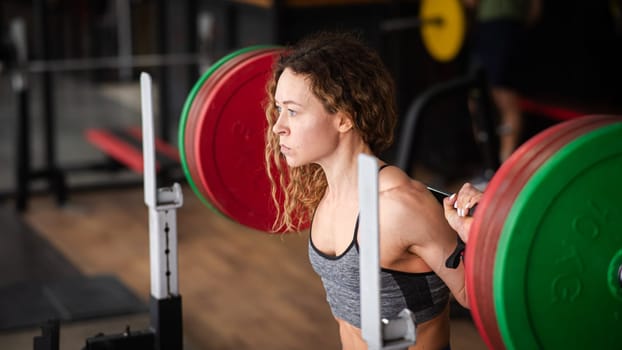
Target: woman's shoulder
[
  {"x": 399, "y": 188},
  {"x": 406, "y": 204},
  {"x": 392, "y": 177}
]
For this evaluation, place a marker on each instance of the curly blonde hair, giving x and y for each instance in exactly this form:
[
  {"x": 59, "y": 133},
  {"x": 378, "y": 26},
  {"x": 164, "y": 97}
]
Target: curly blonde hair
[{"x": 345, "y": 75}]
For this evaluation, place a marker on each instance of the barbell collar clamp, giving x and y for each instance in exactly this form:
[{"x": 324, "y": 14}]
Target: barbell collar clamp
[
  {"x": 400, "y": 330},
  {"x": 169, "y": 197}
]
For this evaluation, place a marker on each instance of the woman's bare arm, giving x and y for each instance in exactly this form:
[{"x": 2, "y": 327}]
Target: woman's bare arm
[{"x": 412, "y": 214}]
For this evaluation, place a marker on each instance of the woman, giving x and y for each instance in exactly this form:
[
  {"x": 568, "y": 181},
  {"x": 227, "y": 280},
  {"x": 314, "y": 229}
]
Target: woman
[{"x": 331, "y": 98}]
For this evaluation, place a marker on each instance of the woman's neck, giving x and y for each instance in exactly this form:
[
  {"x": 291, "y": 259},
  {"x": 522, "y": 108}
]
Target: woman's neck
[{"x": 342, "y": 172}]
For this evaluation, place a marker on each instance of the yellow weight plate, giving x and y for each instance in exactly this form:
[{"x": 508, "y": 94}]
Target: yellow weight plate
[{"x": 443, "y": 28}]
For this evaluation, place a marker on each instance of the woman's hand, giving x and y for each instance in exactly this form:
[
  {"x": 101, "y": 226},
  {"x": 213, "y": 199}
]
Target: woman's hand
[{"x": 458, "y": 208}]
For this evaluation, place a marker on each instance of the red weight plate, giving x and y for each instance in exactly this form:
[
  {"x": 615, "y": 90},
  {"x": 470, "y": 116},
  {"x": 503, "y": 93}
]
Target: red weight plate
[
  {"x": 186, "y": 109},
  {"x": 194, "y": 115},
  {"x": 231, "y": 141},
  {"x": 203, "y": 110},
  {"x": 499, "y": 197}
]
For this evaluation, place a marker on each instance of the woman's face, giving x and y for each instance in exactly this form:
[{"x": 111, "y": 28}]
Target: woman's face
[{"x": 307, "y": 132}]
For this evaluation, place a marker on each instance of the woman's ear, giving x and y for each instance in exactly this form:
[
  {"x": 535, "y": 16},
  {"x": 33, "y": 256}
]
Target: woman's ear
[{"x": 345, "y": 122}]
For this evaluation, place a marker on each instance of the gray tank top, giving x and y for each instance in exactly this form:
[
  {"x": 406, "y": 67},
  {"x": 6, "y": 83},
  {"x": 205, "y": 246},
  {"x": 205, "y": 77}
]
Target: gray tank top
[{"x": 425, "y": 294}]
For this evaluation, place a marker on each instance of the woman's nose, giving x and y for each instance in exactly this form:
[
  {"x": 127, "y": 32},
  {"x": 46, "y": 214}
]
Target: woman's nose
[{"x": 279, "y": 127}]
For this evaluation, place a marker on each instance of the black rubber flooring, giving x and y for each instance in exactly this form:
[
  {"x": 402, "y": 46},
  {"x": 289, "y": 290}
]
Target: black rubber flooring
[{"x": 38, "y": 283}]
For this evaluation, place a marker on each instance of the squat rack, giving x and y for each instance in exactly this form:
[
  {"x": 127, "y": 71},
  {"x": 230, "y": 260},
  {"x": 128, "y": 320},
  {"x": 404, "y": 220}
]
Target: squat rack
[{"x": 165, "y": 306}]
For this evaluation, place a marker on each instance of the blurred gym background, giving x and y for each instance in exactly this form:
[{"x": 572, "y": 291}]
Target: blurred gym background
[{"x": 84, "y": 58}]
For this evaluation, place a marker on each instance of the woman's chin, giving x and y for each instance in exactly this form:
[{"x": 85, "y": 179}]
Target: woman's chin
[{"x": 292, "y": 163}]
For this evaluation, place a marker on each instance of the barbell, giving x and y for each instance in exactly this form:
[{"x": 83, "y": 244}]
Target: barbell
[
  {"x": 441, "y": 24},
  {"x": 544, "y": 257}
]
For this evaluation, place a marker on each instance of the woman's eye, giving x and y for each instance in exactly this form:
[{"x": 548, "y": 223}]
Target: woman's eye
[
  {"x": 279, "y": 109},
  {"x": 291, "y": 112}
]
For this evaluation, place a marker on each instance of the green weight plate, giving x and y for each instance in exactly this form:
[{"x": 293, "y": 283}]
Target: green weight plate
[
  {"x": 190, "y": 100},
  {"x": 556, "y": 283},
  {"x": 488, "y": 223}
]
